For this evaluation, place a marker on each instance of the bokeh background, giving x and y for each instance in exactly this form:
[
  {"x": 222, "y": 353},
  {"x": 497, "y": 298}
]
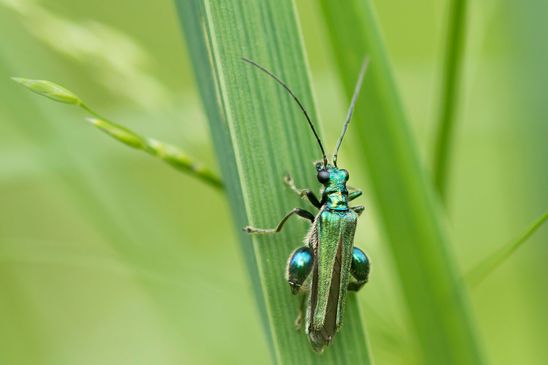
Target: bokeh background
[{"x": 108, "y": 256}]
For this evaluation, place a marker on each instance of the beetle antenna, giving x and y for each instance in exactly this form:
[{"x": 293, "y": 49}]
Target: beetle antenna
[
  {"x": 351, "y": 109},
  {"x": 284, "y": 85}
]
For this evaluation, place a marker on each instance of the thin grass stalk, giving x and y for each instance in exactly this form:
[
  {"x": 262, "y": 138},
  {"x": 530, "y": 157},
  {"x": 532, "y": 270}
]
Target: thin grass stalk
[
  {"x": 168, "y": 153},
  {"x": 449, "y": 100},
  {"x": 486, "y": 267}
]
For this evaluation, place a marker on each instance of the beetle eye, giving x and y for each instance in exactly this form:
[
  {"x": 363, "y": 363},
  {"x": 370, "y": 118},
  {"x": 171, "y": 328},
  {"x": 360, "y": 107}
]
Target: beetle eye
[
  {"x": 323, "y": 176},
  {"x": 346, "y": 175}
]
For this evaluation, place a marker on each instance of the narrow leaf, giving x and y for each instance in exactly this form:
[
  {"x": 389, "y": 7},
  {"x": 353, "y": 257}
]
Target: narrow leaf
[
  {"x": 260, "y": 135},
  {"x": 405, "y": 201},
  {"x": 480, "y": 272},
  {"x": 448, "y": 103}
]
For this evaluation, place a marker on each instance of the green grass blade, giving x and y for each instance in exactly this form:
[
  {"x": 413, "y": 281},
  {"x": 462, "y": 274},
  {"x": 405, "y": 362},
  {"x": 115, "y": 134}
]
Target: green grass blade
[
  {"x": 486, "y": 267},
  {"x": 452, "y": 73},
  {"x": 260, "y": 135},
  {"x": 436, "y": 300},
  {"x": 166, "y": 152}
]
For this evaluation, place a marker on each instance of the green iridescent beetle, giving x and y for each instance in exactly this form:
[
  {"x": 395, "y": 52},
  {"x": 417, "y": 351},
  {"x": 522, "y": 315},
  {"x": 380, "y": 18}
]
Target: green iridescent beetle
[{"x": 328, "y": 265}]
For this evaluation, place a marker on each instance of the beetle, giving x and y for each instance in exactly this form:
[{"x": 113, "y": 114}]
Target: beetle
[{"x": 328, "y": 265}]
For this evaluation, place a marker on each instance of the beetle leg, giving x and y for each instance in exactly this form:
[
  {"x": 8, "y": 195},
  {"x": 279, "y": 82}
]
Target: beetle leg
[
  {"x": 303, "y": 192},
  {"x": 299, "y": 266},
  {"x": 298, "y": 211},
  {"x": 354, "y": 194},
  {"x": 301, "y": 313},
  {"x": 358, "y": 209},
  {"x": 359, "y": 268},
  {"x": 356, "y": 285}
]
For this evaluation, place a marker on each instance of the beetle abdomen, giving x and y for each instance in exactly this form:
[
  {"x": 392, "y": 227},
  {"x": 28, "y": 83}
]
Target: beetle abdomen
[{"x": 332, "y": 243}]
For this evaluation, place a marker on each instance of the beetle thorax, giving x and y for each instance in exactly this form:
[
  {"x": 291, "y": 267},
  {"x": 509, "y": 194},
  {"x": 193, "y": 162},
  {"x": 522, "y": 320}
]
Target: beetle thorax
[{"x": 335, "y": 192}]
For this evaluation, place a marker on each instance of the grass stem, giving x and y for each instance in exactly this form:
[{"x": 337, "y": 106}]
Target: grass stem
[
  {"x": 166, "y": 152},
  {"x": 486, "y": 267},
  {"x": 451, "y": 83}
]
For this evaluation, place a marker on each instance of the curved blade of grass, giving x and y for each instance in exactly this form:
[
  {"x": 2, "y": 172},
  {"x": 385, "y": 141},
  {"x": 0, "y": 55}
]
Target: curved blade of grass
[
  {"x": 166, "y": 152},
  {"x": 406, "y": 203},
  {"x": 486, "y": 267},
  {"x": 260, "y": 135},
  {"x": 452, "y": 71}
]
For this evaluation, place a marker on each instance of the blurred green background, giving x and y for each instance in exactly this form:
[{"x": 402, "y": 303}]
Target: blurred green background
[{"x": 110, "y": 257}]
